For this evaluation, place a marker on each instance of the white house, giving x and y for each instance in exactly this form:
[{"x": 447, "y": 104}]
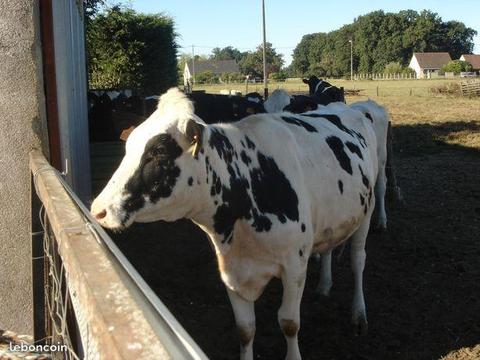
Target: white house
[
  {"x": 216, "y": 67},
  {"x": 428, "y": 63},
  {"x": 474, "y": 60}
]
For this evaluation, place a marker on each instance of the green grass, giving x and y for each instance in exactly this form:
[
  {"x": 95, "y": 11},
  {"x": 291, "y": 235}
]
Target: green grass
[{"x": 367, "y": 87}]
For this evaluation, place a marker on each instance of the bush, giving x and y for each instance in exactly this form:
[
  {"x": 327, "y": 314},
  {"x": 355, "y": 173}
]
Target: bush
[
  {"x": 130, "y": 50},
  {"x": 278, "y": 76},
  {"x": 232, "y": 77},
  {"x": 206, "y": 77},
  {"x": 457, "y": 66},
  {"x": 397, "y": 68},
  {"x": 452, "y": 88}
]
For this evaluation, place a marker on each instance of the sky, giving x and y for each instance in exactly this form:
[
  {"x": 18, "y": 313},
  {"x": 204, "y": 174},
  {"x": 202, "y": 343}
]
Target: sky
[{"x": 218, "y": 23}]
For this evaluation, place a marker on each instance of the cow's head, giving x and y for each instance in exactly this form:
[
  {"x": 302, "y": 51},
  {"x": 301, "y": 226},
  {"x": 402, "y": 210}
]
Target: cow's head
[
  {"x": 155, "y": 180},
  {"x": 312, "y": 83}
]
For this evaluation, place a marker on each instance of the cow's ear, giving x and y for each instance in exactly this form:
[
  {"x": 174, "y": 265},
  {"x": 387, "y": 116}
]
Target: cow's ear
[
  {"x": 194, "y": 133},
  {"x": 305, "y": 81}
]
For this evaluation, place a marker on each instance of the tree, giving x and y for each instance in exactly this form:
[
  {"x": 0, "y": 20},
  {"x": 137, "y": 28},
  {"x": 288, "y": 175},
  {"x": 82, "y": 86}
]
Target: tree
[
  {"x": 457, "y": 66},
  {"x": 227, "y": 53},
  {"x": 91, "y": 7},
  {"x": 380, "y": 38},
  {"x": 252, "y": 63},
  {"x": 127, "y": 49}
]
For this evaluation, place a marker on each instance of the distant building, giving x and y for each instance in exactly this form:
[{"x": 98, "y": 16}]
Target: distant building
[
  {"x": 474, "y": 60},
  {"x": 217, "y": 67},
  {"x": 426, "y": 64}
]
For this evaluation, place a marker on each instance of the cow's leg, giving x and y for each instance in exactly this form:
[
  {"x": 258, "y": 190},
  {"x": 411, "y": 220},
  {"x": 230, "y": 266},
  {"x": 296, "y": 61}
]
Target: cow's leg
[
  {"x": 393, "y": 188},
  {"x": 289, "y": 312},
  {"x": 357, "y": 258},
  {"x": 380, "y": 188},
  {"x": 325, "y": 283},
  {"x": 244, "y": 312}
]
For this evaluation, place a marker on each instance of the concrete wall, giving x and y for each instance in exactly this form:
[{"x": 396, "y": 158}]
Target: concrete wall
[{"x": 22, "y": 127}]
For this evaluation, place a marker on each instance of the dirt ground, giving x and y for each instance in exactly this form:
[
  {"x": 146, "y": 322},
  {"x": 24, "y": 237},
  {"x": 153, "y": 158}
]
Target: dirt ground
[{"x": 422, "y": 277}]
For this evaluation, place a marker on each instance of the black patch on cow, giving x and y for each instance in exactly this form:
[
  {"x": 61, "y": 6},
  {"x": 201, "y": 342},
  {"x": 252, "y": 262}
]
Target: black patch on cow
[
  {"x": 340, "y": 186},
  {"x": 260, "y": 222},
  {"x": 190, "y": 181},
  {"x": 335, "y": 120},
  {"x": 216, "y": 185},
  {"x": 245, "y": 158},
  {"x": 294, "y": 121},
  {"x": 270, "y": 188},
  {"x": 303, "y": 227},
  {"x": 364, "y": 178},
  {"x": 368, "y": 116},
  {"x": 250, "y": 143},
  {"x": 300, "y": 252},
  {"x": 354, "y": 149},
  {"x": 156, "y": 175},
  {"x": 242, "y": 143},
  {"x": 221, "y": 143},
  {"x": 362, "y": 200},
  {"x": 272, "y": 191},
  {"x": 338, "y": 150},
  {"x": 236, "y": 204}
]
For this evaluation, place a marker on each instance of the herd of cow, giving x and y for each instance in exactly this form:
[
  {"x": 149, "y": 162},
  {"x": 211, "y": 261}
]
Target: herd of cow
[{"x": 271, "y": 182}]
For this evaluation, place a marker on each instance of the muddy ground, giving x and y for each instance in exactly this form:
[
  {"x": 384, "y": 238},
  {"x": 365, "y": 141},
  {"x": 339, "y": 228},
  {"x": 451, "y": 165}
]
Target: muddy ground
[{"x": 422, "y": 277}]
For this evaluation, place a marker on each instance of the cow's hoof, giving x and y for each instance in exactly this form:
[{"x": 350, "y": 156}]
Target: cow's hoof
[{"x": 360, "y": 328}]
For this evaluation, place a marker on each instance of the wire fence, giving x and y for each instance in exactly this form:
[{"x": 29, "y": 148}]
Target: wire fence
[{"x": 58, "y": 307}]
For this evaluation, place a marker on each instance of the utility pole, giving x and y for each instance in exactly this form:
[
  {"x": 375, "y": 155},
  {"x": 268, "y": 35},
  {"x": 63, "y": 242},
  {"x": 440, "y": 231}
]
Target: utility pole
[
  {"x": 193, "y": 65},
  {"x": 351, "y": 59},
  {"x": 265, "y": 86}
]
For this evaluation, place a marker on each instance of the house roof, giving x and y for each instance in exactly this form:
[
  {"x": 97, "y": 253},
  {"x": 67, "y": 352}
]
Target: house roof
[
  {"x": 473, "y": 59},
  {"x": 217, "y": 67},
  {"x": 432, "y": 60}
]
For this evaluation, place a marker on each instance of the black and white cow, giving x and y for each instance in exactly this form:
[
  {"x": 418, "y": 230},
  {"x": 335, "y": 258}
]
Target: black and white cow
[
  {"x": 280, "y": 100},
  {"x": 268, "y": 190},
  {"x": 323, "y": 92},
  {"x": 379, "y": 120}
]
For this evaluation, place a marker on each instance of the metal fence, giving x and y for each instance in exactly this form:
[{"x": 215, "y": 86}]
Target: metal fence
[{"x": 87, "y": 296}]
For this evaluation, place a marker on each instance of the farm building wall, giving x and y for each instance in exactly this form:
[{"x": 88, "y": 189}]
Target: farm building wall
[{"x": 22, "y": 127}]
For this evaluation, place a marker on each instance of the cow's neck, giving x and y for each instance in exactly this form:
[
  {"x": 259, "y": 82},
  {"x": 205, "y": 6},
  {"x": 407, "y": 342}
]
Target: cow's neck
[{"x": 218, "y": 205}]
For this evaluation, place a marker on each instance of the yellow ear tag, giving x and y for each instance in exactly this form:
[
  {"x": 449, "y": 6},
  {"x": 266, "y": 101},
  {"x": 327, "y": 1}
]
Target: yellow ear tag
[{"x": 195, "y": 146}]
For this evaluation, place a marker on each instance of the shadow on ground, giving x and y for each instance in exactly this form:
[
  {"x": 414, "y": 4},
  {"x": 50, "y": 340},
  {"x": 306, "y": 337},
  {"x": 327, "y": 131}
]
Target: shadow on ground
[{"x": 422, "y": 278}]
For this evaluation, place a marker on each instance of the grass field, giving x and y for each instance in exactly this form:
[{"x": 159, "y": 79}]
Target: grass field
[{"x": 386, "y": 88}]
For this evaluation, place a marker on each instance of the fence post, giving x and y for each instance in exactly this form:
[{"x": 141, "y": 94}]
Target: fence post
[{"x": 377, "y": 90}]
